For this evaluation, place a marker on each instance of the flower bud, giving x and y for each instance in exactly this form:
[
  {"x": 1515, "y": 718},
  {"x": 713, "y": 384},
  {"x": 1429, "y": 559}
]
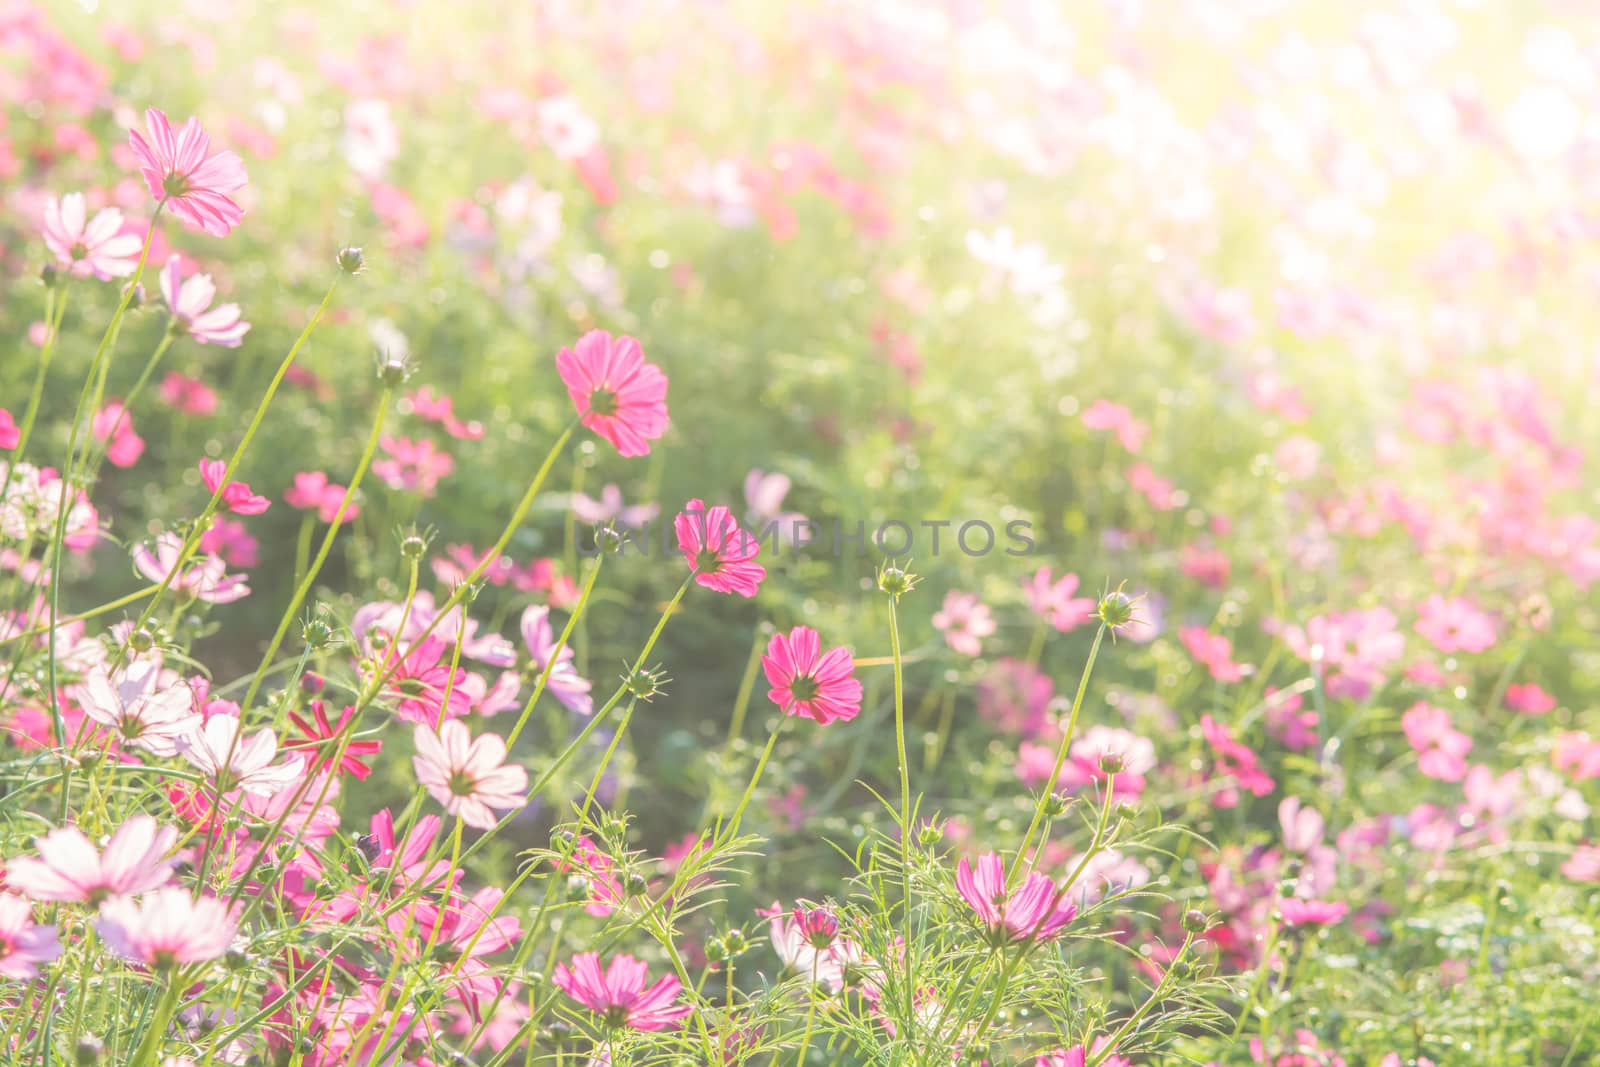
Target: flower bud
[
  {"x": 609, "y": 539},
  {"x": 394, "y": 369},
  {"x": 577, "y": 888},
  {"x": 895, "y": 581},
  {"x": 635, "y": 884},
  {"x": 1115, "y": 610},
  {"x": 90, "y": 1050},
  {"x": 1055, "y": 805},
  {"x": 716, "y": 951},
  {"x": 351, "y": 261},
  {"x": 1110, "y": 762},
  {"x": 317, "y": 633},
  {"x": 1194, "y": 921},
  {"x": 413, "y": 544},
  {"x": 141, "y": 640},
  {"x": 930, "y": 835},
  {"x": 735, "y": 942}
]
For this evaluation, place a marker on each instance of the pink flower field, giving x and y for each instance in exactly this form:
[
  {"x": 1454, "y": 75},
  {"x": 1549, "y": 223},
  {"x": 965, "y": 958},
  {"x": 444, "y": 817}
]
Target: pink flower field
[{"x": 1059, "y": 533}]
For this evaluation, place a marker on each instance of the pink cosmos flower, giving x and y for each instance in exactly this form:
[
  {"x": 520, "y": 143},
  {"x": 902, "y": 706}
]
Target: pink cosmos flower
[
  {"x": 469, "y": 777},
  {"x": 114, "y": 425},
  {"x": 89, "y": 248},
  {"x": 180, "y": 168},
  {"x": 1213, "y": 650},
  {"x": 1530, "y": 699},
  {"x": 806, "y": 681},
  {"x": 231, "y": 761},
  {"x": 69, "y": 868},
  {"x": 319, "y": 738},
  {"x": 138, "y": 711},
  {"x": 1051, "y": 599},
  {"x": 167, "y": 928},
  {"x": 1299, "y": 912},
  {"x": 965, "y": 621},
  {"x": 1234, "y": 760},
  {"x": 610, "y": 507},
  {"x": 569, "y": 687},
  {"x": 229, "y": 539},
  {"x": 414, "y": 466},
  {"x": 1105, "y": 415},
  {"x": 618, "y": 994},
  {"x": 312, "y": 489},
  {"x": 618, "y": 395},
  {"x": 426, "y": 686},
  {"x": 718, "y": 551},
  {"x": 236, "y": 496},
  {"x": 10, "y": 435},
  {"x": 1441, "y": 749},
  {"x": 189, "y": 395},
  {"x": 189, "y": 300},
  {"x": 206, "y": 580},
  {"x": 1455, "y": 625},
  {"x": 23, "y": 946},
  {"x": 1035, "y": 910}
]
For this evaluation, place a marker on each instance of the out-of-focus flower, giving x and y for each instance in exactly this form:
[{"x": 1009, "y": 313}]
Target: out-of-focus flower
[{"x": 189, "y": 300}]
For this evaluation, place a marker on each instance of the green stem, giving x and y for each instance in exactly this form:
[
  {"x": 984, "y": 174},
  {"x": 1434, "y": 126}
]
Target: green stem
[
  {"x": 322, "y": 555},
  {"x": 1061, "y": 756},
  {"x": 905, "y": 809}
]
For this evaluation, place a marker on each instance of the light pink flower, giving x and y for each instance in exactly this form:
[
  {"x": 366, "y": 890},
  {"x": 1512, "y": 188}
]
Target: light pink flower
[
  {"x": 1051, "y": 599},
  {"x": 89, "y": 248},
  {"x": 720, "y": 553},
  {"x": 618, "y": 993},
  {"x": 1034, "y": 910},
  {"x": 231, "y": 761},
  {"x": 806, "y": 681},
  {"x": 189, "y": 300},
  {"x": 189, "y": 395},
  {"x": 69, "y": 868},
  {"x": 236, "y": 496},
  {"x": 469, "y": 777},
  {"x": 411, "y": 465},
  {"x": 1454, "y": 625},
  {"x": 1530, "y": 699},
  {"x": 114, "y": 425},
  {"x": 1441, "y": 749},
  {"x": 312, "y": 489},
  {"x": 10, "y": 435},
  {"x": 137, "y": 710},
  {"x": 205, "y": 580},
  {"x": 617, "y": 394},
  {"x": 167, "y": 928},
  {"x": 965, "y": 621},
  {"x": 23, "y": 946},
  {"x": 1213, "y": 650},
  {"x": 1299, "y": 912},
  {"x": 180, "y": 168}
]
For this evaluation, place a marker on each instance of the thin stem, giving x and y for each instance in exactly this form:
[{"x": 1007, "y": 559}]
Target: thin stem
[
  {"x": 905, "y": 808},
  {"x": 322, "y": 555},
  {"x": 1061, "y": 755}
]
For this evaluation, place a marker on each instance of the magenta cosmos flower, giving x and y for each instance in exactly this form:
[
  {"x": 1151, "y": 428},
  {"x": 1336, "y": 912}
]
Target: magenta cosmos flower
[
  {"x": 23, "y": 946},
  {"x": 180, "y": 168},
  {"x": 69, "y": 868},
  {"x": 167, "y": 928},
  {"x": 619, "y": 994},
  {"x": 85, "y": 247},
  {"x": 190, "y": 302},
  {"x": 237, "y": 497},
  {"x": 469, "y": 777},
  {"x": 807, "y": 681},
  {"x": 718, "y": 551},
  {"x": 1033, "y": 911},
  {"x": 618, "y": 395}
]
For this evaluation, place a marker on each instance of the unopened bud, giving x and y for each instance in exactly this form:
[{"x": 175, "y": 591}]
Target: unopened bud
[
  {"x": 1194, "y": 921},
  {"x": 351, "y": 261}
]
